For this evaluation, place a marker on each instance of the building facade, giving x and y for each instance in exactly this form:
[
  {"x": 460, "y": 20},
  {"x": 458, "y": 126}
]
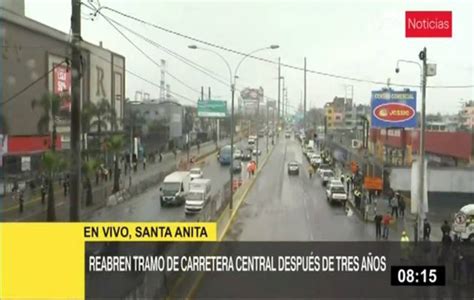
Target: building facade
[{"x": 37, "y": 56}]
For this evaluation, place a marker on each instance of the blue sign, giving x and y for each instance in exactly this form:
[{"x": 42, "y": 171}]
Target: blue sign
[{"x": 391, "y": 108}]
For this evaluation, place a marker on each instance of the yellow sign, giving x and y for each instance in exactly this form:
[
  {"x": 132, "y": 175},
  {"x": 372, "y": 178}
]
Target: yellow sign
[{"x": 46, "y": 260}]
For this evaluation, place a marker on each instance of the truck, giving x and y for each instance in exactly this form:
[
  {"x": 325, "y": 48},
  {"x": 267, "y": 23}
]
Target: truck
[
  {"x": 174, "y": 188},
  {"x": 197, "y": 197}
]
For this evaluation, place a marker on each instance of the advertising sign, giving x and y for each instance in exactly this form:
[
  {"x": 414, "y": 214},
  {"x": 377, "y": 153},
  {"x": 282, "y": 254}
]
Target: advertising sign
[
  {"x": 251, "y": 94},
  {"x": 373, "y": 183},
  {"x": 393, "y": 109},
  {"x": 212, "y": 109},
  {"x": 62, "y": 85},
  {"x": 25, "y": 163}
]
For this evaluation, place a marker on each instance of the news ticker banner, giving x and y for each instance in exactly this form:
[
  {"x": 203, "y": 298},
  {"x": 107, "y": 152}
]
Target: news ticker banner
[
  {"x": 46, "y": 260},
  {"x": 277, "y": 270}
]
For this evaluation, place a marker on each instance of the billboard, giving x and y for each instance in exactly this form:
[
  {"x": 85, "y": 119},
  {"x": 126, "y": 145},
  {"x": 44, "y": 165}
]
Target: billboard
[
  {"x": 393, "y": 109},
  {"x": 252, "y": 95},
  {"x": 62, "y": 86},
  {"x": 212, "y": 109}
]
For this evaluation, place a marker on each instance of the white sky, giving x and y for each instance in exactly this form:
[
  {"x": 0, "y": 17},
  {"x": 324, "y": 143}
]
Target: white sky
[{"x": 356, "y": 38}]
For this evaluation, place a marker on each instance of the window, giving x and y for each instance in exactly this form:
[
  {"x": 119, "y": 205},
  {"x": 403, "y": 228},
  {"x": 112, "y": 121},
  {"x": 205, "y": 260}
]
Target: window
[
  {"x": 329, "y": 118},
  {"x": 338, "y": 118}
]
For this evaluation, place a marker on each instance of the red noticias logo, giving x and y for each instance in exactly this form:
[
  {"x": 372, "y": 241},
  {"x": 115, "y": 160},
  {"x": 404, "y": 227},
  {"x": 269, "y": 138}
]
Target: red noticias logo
[
  {"x": 428, "y": 24},
  {"x": 394, "y": 112}
]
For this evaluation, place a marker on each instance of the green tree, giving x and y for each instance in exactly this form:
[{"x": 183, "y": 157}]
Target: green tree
[
  {"x": 89, "y": 168},
  {"x": 115, "y": 144},
  {"x": 51, "y": 106},
  {"x": 53, "y": 164},
  {"x": 104, "y": 114}
]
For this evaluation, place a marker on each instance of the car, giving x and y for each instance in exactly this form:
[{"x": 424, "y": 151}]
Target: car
[
  {"x": 247, "y": 155},
  {"x": 195, "y": 173},
  {"x": 236, "y": 166},
  {"x": 335, "y": 192},
  {"x": 293, "y": 168},
  {"x": 326, "y": 176},
  {"x": 287, "y": 135},
  {"x": 315, "y": 160},
  {"x": 254, "y": 152},
  {"x": 237, "y": 154},
  {"x": 323, "y": 166},
  {"x": 309, "y": 154}
]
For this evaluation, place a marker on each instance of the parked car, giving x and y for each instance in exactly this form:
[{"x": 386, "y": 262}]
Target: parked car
[
  {"x": 195, "y": 173},
  {"x": 287, "y": 135},
  {"x": 293, "y": 168},
  {"x": 315, "y": 160},
  {"x": 335, "y": 192},
  {"x": 326, "y": 176},
  {"x": 322, "y": 167},
  {"x": 254, "y": 152}
]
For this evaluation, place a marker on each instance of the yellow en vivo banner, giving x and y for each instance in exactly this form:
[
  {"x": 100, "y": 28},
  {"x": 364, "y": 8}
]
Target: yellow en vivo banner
[{"x": 46, "y": 260}]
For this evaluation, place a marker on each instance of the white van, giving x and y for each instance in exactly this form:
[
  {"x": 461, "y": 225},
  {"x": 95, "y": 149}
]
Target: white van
[
  {"x": 463, "y": 224},
  {"x": 174, "y": 188},
  {"x": 198, "y": 195}
]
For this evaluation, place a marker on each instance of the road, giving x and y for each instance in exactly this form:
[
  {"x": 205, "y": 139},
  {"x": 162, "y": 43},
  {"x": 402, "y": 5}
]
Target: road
[
  {"x": 293, "y": 208},
  {"x": 146, "y": 207}
]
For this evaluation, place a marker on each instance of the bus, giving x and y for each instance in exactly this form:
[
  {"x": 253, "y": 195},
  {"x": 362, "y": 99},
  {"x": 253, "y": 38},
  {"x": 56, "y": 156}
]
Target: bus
[{"x": 224, "y": 155}]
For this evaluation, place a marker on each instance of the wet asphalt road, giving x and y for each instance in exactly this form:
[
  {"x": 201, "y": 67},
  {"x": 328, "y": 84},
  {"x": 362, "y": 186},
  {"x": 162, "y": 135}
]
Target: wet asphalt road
[
  {"x": 146, "y": 207},
  {"x": 281, "y": 207}
]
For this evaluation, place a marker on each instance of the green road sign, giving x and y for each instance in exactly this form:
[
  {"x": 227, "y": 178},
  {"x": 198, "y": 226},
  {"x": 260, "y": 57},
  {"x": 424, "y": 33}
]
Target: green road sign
[{"x": 212, "y": 108}]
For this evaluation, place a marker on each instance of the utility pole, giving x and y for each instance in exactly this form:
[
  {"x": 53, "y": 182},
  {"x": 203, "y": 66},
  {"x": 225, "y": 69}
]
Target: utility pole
[
  {"x": 257, "y": 123},
  {"x": 266, "y": 133},
  {"x": 279, "y": 90},
  {"x": 421, "y": 181},
  {"x": 209, "y": 92},
  {"x": 75, "y": 191},
  {"x": 304, "y": 98},
  {"x": 202, "y": 93}
]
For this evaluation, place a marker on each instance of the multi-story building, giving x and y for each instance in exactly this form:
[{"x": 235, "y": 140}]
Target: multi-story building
[
  {"x": 467, "y": 114},
  {"x": 37, "y": 56}
]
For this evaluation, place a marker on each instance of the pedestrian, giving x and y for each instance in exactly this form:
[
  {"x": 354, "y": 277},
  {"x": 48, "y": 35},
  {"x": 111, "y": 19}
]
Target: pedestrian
[
  {"x": 144, "y": 162},
  {"x": 198, "y": 146},
  {"x": 348, "y": 182},
  {"x": 426, "y": 230},
  {"x": 342, "y": 178},
  {"x": 66, "y": 185},
  {"x": 405, "y": 246},
  {"x": 401, "y": 205},
  {"x": 249, "y": 169},
  {"x": 386, "y": 222},
  {"x": 43, "y": 193},
  {"x": 445, "y": 228},
  {"x": 160, "y": 157},
  {"x": 21, "y": 200},
  {"x": 378, "y": 226},
  {"x": 357, "y": 198},
  {"x": 394, "y": 206},
  {"x": 310, "y": 171}
]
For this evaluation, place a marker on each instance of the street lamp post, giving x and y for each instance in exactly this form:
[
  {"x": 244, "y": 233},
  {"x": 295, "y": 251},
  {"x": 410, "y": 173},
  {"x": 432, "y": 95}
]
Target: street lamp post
[
  {"x": 421, "y": 174},
  {"x": 233, "y": 79}
]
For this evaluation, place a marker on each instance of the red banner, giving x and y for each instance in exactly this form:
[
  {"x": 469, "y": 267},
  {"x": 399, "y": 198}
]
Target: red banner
[
  {"x": 426, "y": 24},
  {"x": 62, "y": 85}
]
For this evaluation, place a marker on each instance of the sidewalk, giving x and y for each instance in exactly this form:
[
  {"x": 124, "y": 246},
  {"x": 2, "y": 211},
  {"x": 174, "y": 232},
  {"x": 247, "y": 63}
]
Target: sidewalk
[{"x": 35, "y": 211}]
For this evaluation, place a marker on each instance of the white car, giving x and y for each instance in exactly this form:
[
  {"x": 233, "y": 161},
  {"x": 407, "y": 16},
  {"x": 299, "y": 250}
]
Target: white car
[
  {"x": 326, "y": 176},
  {"x": 254, "y": 152},
  {"x": 195, "y": 173},
  {"x": 315, "y": 159},
  {"x": 237, "y": 153},
  {"x": 336, "y": 192},
  {"x": 309, "y": 154}
]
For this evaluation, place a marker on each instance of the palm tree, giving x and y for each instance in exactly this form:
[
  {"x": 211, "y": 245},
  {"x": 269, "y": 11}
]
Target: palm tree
[
  {"x": 53, "y": 163},
  {"x": 115, "y": 144},
  {"x": 104, "y": 114},
  {"x": 51, "y": 106},
  {"x": 89, "y": 168}
]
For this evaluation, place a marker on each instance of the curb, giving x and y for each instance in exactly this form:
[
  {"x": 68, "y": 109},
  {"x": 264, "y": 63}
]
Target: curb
[{"x": 242, "y": 198}]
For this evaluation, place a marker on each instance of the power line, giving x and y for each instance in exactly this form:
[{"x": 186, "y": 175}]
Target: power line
[
  {"x": 349, "y": 78},
  {"x": 13, "y": 97},
  {"x": 143, "y": 52}
]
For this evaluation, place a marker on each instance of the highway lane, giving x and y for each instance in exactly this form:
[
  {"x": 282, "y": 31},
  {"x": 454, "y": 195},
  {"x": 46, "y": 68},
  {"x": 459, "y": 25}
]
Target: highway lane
[
  {"x": 146, "y": 207},
  {"x": 293, "y": 208}
]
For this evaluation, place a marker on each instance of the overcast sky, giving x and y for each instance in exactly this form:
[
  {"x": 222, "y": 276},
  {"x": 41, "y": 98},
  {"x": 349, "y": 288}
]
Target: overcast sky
[{"x": 355, "y": 38}]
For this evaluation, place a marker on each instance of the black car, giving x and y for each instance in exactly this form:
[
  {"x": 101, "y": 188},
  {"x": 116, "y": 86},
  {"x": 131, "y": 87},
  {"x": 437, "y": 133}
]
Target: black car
[
  {"x": 237, "y": 166},
  {"x": 293, "y": 168},
  {"x": 246, "y": 155}
]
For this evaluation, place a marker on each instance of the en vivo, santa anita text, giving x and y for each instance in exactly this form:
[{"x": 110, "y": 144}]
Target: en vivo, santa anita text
[{"x": 368, "y": 263}]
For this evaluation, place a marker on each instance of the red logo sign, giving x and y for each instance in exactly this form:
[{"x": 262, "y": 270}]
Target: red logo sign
[
  {"x": 394, "y": 112},
  {"x": 427, "y": 24},
  {"x": 62, "y": 85}
]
